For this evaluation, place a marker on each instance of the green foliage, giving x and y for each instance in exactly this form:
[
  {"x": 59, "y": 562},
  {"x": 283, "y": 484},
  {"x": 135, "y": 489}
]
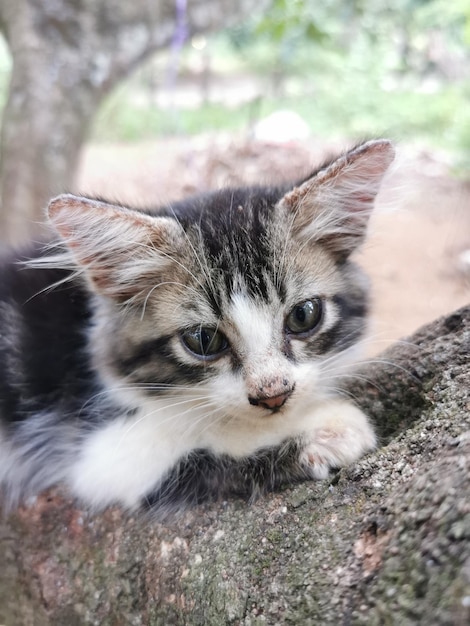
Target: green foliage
[
  {"x": 348, "y": 67},
  {"x": 335, "y": 108},
  {"x": 121, "y": 119},
  {"x": 291, "y": 19}
]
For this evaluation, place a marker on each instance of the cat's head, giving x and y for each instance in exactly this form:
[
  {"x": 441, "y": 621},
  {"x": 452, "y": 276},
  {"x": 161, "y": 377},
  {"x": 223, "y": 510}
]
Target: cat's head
[{"x": 245, "y": 296}]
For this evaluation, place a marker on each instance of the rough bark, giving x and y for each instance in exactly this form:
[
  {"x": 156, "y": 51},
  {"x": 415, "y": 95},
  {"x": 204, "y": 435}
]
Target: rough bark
[
  {"x": 67, "y": 55},
  {"x": 386, "y": 541}
]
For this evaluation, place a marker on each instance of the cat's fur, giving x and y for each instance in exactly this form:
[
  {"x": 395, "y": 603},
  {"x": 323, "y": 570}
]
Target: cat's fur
[{"x": 99, "y": 388}]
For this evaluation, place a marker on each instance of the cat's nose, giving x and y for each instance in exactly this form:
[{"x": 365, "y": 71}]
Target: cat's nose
[{"x": 272, "y": 403}]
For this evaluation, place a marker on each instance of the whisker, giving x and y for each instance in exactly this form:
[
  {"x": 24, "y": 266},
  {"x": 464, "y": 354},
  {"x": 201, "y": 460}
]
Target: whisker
[
  {"x": 165, "y": 387},
  {"x": 339, "y": 391},
  {"x": 162, "y": 284},
  {"x": 155, "y": 411},
  {"x": 360, "y": 378},
  {"x": 204, "y": 267},
  {"x": 378, "y": 361}
]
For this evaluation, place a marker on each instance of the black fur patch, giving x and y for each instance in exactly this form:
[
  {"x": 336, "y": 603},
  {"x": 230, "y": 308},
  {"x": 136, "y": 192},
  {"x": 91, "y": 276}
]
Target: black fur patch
[
  {"x": 42, "y": 348},
  {"x": 233, "y": 224},
  {"x": 204, "y": 477},
  {"x": 158, "y": 355}
]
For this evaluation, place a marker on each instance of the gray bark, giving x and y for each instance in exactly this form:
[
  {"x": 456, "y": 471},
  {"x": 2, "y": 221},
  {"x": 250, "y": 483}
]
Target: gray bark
[
  {"x": 67, "y": 55},
  {"x": 386, "y": 541}
]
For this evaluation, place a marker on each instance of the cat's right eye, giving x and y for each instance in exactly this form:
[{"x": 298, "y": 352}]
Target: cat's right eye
[{"x": 204, "y": 342}]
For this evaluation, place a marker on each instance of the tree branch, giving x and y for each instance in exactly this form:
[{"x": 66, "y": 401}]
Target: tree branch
[
  {"x": 67, "y": 56},
  {"x": 385, "y": 541}
]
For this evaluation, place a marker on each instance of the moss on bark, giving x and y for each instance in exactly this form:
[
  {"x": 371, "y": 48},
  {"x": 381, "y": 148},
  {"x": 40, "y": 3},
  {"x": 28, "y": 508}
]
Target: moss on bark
[{"x": 386, "y": 541}]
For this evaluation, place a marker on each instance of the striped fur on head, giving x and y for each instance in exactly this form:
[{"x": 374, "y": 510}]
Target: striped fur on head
[{"x": 264, "y": 272}]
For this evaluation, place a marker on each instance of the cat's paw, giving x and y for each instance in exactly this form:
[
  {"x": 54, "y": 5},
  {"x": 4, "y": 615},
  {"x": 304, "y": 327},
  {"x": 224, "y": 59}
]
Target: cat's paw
[{"x": 341, "y": 435}]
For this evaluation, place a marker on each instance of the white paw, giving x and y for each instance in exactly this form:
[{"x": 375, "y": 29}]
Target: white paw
[{"x": 340, "y": 435}]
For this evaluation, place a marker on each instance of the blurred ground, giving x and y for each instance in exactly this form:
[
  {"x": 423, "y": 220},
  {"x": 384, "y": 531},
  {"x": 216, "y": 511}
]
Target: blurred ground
[{"x": 419, "y": 246}]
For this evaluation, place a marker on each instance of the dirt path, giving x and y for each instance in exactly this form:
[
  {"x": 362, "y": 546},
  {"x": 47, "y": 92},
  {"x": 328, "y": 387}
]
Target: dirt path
[{"x": 419, "y": 234}]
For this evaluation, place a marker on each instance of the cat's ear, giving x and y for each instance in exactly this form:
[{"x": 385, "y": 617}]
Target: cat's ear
[
  {"x": 334, "y": 205},
  {"x": 118, "y": 248}
]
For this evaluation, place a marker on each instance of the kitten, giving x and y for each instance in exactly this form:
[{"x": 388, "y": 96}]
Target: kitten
[{"x": 190, "y": 351}]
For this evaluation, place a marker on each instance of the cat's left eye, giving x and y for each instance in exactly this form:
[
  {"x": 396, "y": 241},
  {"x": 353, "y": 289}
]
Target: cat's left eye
[
  {"x": 304, "y": 317},
  {"x": 204, "y": 342}
]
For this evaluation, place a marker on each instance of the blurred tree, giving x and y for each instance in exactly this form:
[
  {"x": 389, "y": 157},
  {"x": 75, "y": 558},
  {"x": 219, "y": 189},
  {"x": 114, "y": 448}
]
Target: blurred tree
[
  {"x": 67, "y": 55},
  {"x": 423, "y": 36}
]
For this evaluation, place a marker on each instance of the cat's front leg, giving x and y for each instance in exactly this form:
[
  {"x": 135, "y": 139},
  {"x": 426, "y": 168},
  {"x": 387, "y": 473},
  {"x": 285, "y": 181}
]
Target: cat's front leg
[{"x": 340, "y": 435}]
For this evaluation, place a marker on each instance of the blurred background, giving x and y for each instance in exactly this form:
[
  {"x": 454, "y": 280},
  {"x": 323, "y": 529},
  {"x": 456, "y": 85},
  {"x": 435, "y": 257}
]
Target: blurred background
[{"x": 145, "y": 102}]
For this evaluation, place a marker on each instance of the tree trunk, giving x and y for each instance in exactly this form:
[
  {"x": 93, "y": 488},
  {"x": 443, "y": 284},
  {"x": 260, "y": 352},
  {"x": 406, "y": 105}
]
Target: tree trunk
[
  {"x": 67, "y": 55},
  {"x": 386, "y": 541}
]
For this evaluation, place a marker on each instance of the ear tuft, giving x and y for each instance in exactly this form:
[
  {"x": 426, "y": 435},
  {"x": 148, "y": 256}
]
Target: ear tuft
[
  {"x": 334, "y": 205},
  {"x": 117, "y": 248}
]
